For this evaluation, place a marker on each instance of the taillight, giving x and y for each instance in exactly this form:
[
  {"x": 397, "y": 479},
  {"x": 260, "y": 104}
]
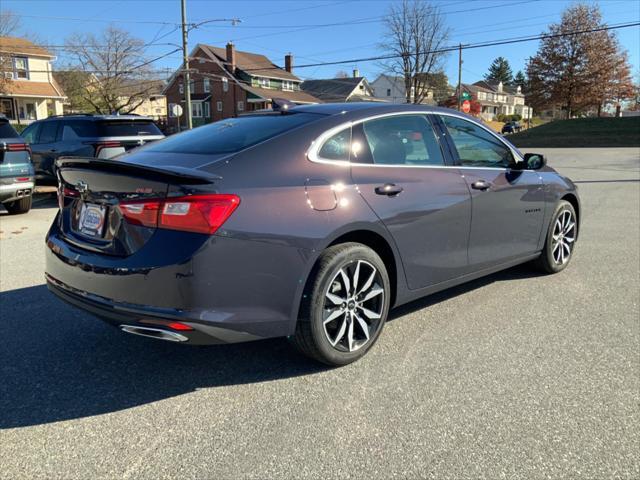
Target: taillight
[
  {"x": 15, "y": 147},
  {"x": 194, "y": 213},
  {"x": 65, "y": 192}
]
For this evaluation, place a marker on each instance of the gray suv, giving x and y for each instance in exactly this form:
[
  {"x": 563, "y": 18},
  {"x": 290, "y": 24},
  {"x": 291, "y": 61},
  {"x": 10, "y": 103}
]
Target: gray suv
[
  {"x": 85, "y": 135},
  {"x": 16, "y": 170}
]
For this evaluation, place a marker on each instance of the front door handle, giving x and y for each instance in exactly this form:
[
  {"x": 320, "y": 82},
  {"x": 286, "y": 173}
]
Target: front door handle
[
  {"x": 481, "y": 185},
  {"x": 389, "y": 189}
]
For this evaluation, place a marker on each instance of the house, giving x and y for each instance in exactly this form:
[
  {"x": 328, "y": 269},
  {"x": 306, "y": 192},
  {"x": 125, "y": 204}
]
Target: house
[
  {"x": 496, "y": 99},
  {"x": 28, "y": 90},
  {"x": 354, "y": 89},
  {"x": 152, "y": 102},
  {"x": 226, "y": 82},
  {"x": 392, "y": 89}
]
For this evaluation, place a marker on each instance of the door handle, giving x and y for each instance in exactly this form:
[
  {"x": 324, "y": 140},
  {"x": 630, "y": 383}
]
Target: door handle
[
  {"x": 389, "y": 189},
  {"x": 481, "y": 185}
]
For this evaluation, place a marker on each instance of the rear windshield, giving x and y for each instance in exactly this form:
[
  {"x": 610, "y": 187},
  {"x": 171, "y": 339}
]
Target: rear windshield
[
  {"x": 7, "y": 131},
  {"x": 231, "y": 135},
  {"x": 119, "y": 128}
]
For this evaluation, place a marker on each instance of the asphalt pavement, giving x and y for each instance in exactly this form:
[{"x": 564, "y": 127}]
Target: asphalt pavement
[{"x": 517, "y": 375}]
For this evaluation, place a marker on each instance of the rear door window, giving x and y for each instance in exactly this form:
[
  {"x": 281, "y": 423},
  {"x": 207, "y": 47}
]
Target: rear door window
[
  {"x": 48, "y": 132},
  {"x": 403, "y": 140}
]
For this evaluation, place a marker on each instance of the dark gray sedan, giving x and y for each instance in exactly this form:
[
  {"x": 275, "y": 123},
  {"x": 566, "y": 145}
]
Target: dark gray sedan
[{"x": 309, "y": 223}]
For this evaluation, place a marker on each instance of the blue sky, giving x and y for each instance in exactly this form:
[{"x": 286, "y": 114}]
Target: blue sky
[{"x": 275, "y": 28}]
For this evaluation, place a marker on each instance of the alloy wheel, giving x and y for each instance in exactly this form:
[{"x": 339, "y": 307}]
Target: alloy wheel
[
  {"x": 564, "y": 237},
  {"x": 353, "y": 306}
]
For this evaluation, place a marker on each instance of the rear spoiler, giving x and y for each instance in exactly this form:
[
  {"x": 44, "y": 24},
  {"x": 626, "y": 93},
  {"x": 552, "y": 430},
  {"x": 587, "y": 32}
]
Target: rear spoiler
[{"x": 173, "y": 174}]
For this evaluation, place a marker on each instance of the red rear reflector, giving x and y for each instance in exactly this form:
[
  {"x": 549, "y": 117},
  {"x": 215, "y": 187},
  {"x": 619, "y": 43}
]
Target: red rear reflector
[
  {"x": 179, "y": 326},
  {"x": 194, "y": 213},
  {"x": 22, "y": 179},
  {"x": 16, "y": 147}
]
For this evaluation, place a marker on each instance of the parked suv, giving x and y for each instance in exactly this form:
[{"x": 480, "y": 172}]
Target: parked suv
[
  {"x": 100, "y": 136},
  {"x": 16, "y": 170}
]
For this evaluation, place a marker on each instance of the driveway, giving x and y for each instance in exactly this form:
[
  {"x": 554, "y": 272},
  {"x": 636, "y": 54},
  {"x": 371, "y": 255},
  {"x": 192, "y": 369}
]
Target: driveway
[{"x": 518, "y": 375}]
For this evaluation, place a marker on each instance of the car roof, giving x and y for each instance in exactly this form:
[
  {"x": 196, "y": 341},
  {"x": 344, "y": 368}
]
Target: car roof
[
  {"x": 91, "y": 117},
  {"x": 338, "y": 108}
]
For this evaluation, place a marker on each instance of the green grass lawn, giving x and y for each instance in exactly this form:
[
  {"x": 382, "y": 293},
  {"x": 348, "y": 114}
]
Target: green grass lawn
[{"x": 582, "y": 132}]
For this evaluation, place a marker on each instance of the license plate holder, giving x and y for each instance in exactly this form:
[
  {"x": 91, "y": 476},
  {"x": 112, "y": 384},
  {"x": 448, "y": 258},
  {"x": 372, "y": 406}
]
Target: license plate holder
[{"x": 92, "y": 220}]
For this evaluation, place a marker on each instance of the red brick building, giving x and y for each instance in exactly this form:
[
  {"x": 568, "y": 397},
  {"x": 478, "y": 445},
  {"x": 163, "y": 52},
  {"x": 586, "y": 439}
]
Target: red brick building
[{"x": 226, "y": 82}]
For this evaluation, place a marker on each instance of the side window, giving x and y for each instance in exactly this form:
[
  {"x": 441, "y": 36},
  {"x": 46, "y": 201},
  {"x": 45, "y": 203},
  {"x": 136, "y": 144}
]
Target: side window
[
  {"x": 48, "y": 132},
  {"x": 337, "y": 146},
  {"x": 30, "y": 134},
  {"x": 403, "y": 140},
  {"x": 476, "y": 147}
]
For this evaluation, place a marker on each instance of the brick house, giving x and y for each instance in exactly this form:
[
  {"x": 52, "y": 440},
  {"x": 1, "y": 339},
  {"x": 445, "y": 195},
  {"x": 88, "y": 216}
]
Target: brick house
[
  {"x": 226, "y": 82},
  {"x": 28, "y": 90}
]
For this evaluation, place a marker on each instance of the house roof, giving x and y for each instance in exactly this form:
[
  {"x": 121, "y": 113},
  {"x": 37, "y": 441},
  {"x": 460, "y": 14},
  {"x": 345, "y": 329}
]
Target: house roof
[
  {"x": 269, "y": 94},
  {"x": 33, "y": 89},
  {"x": 252, "y": 63},
  {"x": 493, "y": 87},
  {"x": 16, "y": 45},
  {"x": 332, "y": 89}
]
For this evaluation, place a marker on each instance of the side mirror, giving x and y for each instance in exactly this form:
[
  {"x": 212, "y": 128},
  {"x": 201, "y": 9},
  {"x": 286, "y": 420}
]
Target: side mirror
[{"x": 534, "y": 161}]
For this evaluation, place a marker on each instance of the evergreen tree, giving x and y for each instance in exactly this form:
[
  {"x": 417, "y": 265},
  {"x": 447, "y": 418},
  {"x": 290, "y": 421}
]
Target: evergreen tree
[
  {"x": 500, "y": 71},
  {"x": 520, "y": 80}
]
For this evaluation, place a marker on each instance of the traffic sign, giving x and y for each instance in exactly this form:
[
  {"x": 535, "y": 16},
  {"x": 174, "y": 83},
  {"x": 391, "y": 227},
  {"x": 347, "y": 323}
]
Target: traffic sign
[
  {"x": 176, "y": 110},
  {"x": 465, "y": 96},
  {"x": 466, "y": 106}
]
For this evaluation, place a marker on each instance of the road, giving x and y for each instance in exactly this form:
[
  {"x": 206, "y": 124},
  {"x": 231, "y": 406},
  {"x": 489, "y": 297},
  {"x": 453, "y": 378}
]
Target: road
[{"x": 518, "y": 375}]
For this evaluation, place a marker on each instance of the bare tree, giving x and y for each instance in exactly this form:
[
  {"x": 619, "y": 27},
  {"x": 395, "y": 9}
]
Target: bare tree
[
  {"x": 415, "y": 31},
  {"x": 116, "y": 70},
  {"x": 9, "y": 24},
  {"x": 341, "y": 74}
]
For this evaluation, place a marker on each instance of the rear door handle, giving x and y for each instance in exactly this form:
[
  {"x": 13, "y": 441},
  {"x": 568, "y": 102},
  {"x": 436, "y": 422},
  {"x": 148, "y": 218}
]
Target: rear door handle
[
  {"x": 389, "y": 189},
  {"x": 481, "y": 185}
]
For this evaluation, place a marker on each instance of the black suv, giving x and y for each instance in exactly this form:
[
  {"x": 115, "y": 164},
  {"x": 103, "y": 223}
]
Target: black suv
[{"x": 101, "y": 136}]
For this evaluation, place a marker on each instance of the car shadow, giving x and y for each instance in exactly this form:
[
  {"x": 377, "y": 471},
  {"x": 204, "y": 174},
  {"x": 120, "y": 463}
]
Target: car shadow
[{"x": 58, "y": 363}]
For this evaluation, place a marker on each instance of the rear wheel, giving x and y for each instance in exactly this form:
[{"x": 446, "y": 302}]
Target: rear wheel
[
  {"x": 561, "y": 239},
  {"x": 19, "y": 206},
  {"x": 345, "y": 306}
]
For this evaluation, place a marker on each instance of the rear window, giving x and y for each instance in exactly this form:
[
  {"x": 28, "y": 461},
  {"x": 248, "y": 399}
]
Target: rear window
[
  {"x": 120, "y": 128},
  {"x": 7, "y": 131},
  {"x": 231, "y": 135}
]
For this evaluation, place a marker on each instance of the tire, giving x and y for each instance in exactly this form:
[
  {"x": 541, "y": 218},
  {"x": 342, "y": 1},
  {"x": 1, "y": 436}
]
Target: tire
[
  {"x": 19, "y": 206},
  {"x": 357, "y": 317},
  {"x": 561, "y": 239}
]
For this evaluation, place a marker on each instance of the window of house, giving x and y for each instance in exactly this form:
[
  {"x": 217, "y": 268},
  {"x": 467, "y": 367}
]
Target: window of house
[
  {"x": 241, "y": 106},
  {"x": 181, "y": 88},
  {"x": 388, "y": 92},
  {"x": 196, "y": 109},
  {"x": 477, "y": 147},
  {"x": 6, "y": 108},
  {"x": 225, "y": 84},
  {"x": 402, "y": 140},
  {"x": 21, "y": 67},
  {"x": 482, "y": 96},
  {"x": 192, "y": 85},
  {"x": 287, "y": 85},
  {"x": 31, "y": 111},
  {"x": 206, "y": 85},
  {"x": 263, "y": 82},
  {"x": 219, "y": 106},
  {"x": 206, "y": 109}
]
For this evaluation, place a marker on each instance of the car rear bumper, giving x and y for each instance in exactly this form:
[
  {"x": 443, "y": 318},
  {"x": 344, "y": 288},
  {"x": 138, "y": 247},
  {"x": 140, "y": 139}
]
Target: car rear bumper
[
  {"x": 227, "y": 289},
  {"x": 15, "y": 191}
]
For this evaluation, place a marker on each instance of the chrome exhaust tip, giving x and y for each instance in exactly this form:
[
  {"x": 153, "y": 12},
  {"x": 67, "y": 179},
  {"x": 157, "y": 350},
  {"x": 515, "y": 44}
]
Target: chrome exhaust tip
[{"x": 154, "y": 333}]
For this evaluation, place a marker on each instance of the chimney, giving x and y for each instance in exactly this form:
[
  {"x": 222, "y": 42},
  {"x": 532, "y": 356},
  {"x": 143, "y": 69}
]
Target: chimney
[
  {"x": 500, "y": 87},
  {"x": 288, "y": 63},
  {"x": 231, "y": 57},
  {"x": 356, "y": 73}
]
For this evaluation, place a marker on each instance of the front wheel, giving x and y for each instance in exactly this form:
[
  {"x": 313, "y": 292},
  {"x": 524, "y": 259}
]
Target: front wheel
[
  {"x": 345, "y": 305},
  {"x": 561, "y": 239}
]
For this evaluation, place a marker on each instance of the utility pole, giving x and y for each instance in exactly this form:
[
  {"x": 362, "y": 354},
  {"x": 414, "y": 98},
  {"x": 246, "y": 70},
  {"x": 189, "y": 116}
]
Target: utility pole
[
  {"x": 185, "y": 67},
  {"x": 460, "y": 78}
]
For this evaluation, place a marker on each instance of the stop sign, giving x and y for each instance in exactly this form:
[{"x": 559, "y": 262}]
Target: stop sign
[{"x": 466, "y": 106}]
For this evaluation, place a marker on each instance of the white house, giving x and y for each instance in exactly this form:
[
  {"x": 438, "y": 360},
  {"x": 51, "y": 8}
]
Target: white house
[{"x": 28, "y": 90}]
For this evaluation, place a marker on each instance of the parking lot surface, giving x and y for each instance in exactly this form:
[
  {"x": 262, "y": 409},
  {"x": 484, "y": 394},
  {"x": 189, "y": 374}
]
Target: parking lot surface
[{"x": 517, "y": 375}]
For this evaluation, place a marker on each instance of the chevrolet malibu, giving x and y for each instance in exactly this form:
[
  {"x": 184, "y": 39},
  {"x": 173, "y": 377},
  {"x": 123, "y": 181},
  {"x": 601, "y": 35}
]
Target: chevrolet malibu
[{"x": 308, "y": 223}]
